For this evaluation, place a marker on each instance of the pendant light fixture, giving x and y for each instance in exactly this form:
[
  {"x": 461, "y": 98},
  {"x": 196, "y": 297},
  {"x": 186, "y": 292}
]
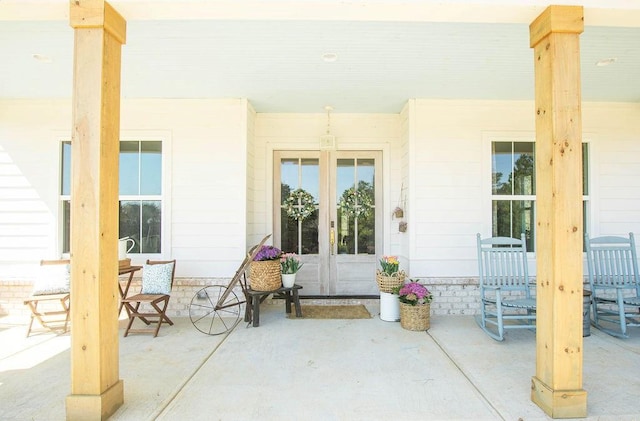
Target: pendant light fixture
[{"x": 328, "y": 141}]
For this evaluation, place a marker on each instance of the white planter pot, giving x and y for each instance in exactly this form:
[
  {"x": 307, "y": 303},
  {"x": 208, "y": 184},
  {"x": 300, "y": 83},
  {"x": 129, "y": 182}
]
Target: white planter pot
[
  {"x": 389, "y": 307},
  {"x": 288, "y": 279}
]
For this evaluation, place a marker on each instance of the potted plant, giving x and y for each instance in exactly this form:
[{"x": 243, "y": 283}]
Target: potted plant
[
  {"x": 415, "y": 305},
  {"x": 290, "y": 265},
  {"x": 264, "y": 271},
  {"x": 388, "y": 278}
]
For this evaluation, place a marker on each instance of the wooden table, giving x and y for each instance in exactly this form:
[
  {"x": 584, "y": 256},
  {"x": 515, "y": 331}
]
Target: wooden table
[
  {"x": 123, "y": 292},
  {"x": 254, "y": 298}
]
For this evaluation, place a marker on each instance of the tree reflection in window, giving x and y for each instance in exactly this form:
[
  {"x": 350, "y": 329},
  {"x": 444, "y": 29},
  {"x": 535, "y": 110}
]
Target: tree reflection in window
[
  {"x": 513, "y": 186},
  {"x": 356, "y": 233},
  {"x": 299, "y": 236},
  {"x": 140, "y": 191},
  {"x": 355, "y": 229}
]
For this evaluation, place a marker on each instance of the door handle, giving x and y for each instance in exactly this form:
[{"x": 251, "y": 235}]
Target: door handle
[{"x": 332, "y": 237}]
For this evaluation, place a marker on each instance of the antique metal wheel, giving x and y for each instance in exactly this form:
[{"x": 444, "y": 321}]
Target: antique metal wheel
[{"x": 211, "y": 315}]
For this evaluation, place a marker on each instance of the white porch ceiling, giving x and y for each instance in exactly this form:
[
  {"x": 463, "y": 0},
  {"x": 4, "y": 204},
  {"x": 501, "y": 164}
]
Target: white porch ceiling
[{"x": 276, "y": 60}]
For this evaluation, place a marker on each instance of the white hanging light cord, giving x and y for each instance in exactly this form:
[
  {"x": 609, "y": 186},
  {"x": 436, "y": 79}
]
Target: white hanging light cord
[{"x": 328, "y": 108}]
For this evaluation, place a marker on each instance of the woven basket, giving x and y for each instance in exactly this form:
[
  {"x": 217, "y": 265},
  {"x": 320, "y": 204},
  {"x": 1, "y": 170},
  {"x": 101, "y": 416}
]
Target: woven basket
[
  {"x": 415, "y": 317},
  {"x": 265, "y": 275},
  {"x": 387, "y": 283}
]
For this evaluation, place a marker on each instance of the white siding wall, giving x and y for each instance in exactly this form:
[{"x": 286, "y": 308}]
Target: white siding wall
[
  {"x": 253, "y": 232},
  {"x": 207, "y": 179},
  {"x": 614, "y": 130},
  {"x": 303, "y": 131},
  {"x": 29, "y": 182},
  {"x": 206, "y": 148},
  {"x": 450, "y": 175},
  {"x": 219, "y": 198},
  {"x": 448, "y": 187},
  {"x": 400, "y": 241}
]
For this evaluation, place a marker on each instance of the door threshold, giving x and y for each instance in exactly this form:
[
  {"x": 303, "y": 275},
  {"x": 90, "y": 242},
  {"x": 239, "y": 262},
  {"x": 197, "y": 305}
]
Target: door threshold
[
  {"x": 339, "y": 297},
  {"x": 332, "y": 297}
]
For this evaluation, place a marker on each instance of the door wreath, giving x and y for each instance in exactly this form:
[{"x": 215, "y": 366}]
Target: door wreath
[
  {"x": 355, "y": 203},
  {"x": 299, "y": 205}
]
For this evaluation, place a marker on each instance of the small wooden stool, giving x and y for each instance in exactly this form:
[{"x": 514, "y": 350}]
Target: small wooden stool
[{"x": 254, "y": 298}]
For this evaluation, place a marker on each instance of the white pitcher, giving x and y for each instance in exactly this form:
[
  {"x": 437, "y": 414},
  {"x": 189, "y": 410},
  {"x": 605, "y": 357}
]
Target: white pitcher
[{"x": 123, "y": 249}]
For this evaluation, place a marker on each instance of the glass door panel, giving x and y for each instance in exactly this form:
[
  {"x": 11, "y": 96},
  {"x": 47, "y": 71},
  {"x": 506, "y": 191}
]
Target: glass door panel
[
  {"x": 355, "y": 190},
  {"x": 299, "y": 211}
]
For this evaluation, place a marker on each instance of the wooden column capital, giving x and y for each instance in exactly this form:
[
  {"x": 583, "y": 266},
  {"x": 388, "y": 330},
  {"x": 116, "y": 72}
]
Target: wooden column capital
[
  {"x": 556, "y": 19},
  {"x": 97, "y": 14}
]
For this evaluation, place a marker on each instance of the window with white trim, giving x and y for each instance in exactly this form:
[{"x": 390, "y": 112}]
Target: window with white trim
[
  {"x": 140, "y": 194},
  {"x": 513, "y": 189}
]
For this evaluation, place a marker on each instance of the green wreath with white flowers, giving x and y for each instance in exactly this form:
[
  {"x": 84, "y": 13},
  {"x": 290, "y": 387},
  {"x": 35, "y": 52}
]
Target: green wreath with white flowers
[
  {"x": 300, "y": 204},
  {"x": 355, "y": 203}
]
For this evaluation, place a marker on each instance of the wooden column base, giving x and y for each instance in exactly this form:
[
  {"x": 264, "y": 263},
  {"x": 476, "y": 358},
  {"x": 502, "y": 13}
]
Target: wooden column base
[
  {"x": 559, "y": 403},
  {"x": 96, "y": 407}
]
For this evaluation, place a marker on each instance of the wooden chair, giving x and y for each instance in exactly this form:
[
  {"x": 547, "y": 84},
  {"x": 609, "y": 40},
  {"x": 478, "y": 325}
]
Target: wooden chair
[
  {"x": 150, "y": 305},
  {"x": 49, "y": 300},
  {"x": 506, "y": 301},
  {"x": 612, "y": 266}
]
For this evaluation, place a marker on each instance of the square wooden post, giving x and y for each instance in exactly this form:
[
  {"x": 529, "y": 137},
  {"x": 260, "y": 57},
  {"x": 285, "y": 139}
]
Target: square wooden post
[
  {"x": 96, "y": 390},
  {"x": 557, "y": 385}
]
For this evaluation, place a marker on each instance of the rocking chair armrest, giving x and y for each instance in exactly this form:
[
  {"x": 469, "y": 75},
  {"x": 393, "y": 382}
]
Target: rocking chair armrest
[
  {"x": 616, "y": 287},
  {"x": 492, "y": 288}
]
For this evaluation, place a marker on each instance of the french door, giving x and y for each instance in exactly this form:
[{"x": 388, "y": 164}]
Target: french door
[{"x": 328, "y": 210}]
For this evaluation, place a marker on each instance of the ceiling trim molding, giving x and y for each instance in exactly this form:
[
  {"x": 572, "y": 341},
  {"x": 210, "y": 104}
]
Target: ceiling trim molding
[{"x": 597, "y": 12}]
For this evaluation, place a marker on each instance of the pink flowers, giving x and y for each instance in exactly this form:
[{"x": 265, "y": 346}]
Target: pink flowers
[
  {"x": 414, "y": 293},
  {"x": 290, "y": 263},
  {"x": 390, "y": 265}
]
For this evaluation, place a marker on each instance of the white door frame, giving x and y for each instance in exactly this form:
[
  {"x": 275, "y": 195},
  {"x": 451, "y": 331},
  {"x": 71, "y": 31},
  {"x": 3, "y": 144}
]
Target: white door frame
[{"x": 327, "y": 265}]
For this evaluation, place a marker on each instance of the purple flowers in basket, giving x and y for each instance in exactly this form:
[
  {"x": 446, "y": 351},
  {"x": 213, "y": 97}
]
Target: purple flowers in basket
[
  {"x": 414, "y": 293},
  {"x": 268, "y": 253}
]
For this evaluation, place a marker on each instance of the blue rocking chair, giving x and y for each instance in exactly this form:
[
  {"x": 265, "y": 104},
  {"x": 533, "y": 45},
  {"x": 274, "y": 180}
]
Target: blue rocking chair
[
  {"x": 505, "y": 296},
  {"x": 612, "y": 264}
]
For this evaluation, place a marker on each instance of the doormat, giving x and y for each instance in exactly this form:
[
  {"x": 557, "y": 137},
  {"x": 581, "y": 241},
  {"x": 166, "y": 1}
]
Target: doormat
[{"x": 358, "y": 311}]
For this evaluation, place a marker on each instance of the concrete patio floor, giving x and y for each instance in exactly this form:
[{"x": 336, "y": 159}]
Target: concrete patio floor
[{"x": 286, "y": 369}]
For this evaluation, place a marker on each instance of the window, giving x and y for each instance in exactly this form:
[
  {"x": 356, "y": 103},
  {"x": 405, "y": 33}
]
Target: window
[
  {"x": 513, "y": 191},
  {"x": 140, "y": 194}
]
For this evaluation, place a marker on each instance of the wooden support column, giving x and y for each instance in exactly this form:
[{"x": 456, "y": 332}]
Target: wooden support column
[
  {"x": 96, "y": 390},
  {"x": 557, "y": 385}
]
